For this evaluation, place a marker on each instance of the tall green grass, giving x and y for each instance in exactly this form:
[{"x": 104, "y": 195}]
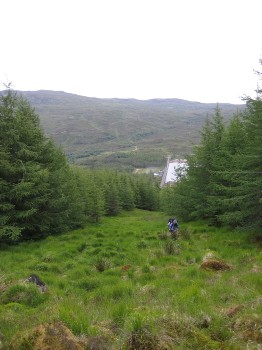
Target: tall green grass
[{"x": 125, "y": 279}]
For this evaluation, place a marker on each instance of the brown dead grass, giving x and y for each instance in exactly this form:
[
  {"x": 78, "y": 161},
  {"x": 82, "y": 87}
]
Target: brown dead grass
[
  {"x": 215, "y": 265},
  {"x": 249, "y": 328},
  {"x": 53, "y": 336}
]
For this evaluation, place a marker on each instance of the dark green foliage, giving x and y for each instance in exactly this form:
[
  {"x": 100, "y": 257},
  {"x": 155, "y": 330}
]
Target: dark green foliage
[
  {"x": 40, "y": 194},
  {"x": 112, "y": 198},
  {"x": 249, "y": 182},
  {"x": 223, "y": 181},
  {"x": 193, "y": 196},
  {"x": 127, "y": 195},
  {"x": 24, "y": 170},
  {"x": 146, "y": 193}
]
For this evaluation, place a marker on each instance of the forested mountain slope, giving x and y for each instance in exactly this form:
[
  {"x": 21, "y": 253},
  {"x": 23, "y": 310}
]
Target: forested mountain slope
[{"x": 99, "y": 131}]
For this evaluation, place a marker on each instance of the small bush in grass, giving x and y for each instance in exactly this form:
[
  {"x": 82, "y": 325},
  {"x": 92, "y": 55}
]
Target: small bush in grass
[
  {"x": 98, "y": 342},
  {"x": 163, "y": 235},
  {"x": 62, "y": 285},
  {"x": 82, "y": 247},
  {"x": 142, "y": 337},
  {"x": 120, "y": 292},
  {"x": 89, "y": 284},
  {"x": 108, "y": 254},
  {"x": 119, "y": 314},
  {"x": 186, "y": 233},
  {"x": 141, "y": 245},
  {"x": 48, "y": 257},
  {"x": 102, "y": 264},
  {"x": 75, "y": 317},
  {"x": 70, "y": 265},
  {"x": 131, "y": 274},
  {"x": 219, "y": 329},
  {"x": 15, "y": 307},
  {"x": 146, "y": 269},
  {"x": 96, "y": 251},
  {"x": 55, "y": 268},
  {"x": 151, "y": 238},
  {"x": 172, "y": 248},
  {"x": 27, "y": 294},
  {"x": 100, "y": 234},
  {"x": 248, "y": 327},
  {"x": 158, "y": 253},
  {"x": 41, "y": 267},
  {"x": 97, "y": 244}
]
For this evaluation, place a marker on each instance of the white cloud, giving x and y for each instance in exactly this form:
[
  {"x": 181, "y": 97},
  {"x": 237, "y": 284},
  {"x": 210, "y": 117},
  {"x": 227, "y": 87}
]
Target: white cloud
[{"x": 197, "y": 50}]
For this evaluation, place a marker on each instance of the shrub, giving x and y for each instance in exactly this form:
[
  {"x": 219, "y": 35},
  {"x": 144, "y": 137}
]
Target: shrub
[
  {"x": 119, "y": 314},
  {"x": 82, "y": 247},
  {"x": 28, "y": 295},
  {"x": 141, "y": 337},
  {"x": 172, "y": 248},
  {"x": 89, "y": 284},
  {"x": 141, "y": 245},
  {"x": 101, "y": 264},
  {"x": 163, "y": 235},
  {"x": 186, "y": 233}
]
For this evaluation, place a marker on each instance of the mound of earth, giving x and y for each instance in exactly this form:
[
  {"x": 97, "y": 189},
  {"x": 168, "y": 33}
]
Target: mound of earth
[
  {"x": 53, "y": 336},
  {"x": 210, "y": 262}
]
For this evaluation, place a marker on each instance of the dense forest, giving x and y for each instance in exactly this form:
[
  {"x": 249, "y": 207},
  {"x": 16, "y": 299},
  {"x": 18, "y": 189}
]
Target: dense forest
[
  {"x": 41, "y": 194},
  {"x": 223, "y": 182}
]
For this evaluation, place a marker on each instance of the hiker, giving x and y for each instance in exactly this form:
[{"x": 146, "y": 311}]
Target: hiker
[{"x": 172, "y": 226}]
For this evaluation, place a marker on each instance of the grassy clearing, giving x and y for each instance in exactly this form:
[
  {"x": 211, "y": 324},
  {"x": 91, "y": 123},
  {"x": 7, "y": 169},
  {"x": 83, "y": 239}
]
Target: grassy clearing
[{"x": 124, "y": 284}]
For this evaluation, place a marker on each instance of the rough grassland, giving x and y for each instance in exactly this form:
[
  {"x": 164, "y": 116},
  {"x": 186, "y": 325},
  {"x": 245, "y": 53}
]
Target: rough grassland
[{"x": 124, "y": 284}]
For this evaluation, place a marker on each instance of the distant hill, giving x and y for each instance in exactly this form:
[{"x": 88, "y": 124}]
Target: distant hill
[{"x": 122, "y": 132}]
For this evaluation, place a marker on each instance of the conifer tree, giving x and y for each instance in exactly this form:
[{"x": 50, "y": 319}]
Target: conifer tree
[
  {"x": 36, "y": 198},
  {"x": 127, "y": 195},
  {"x": 23, "y": 178},
  {"x": 112, "y": 198},
  {"x": 193, "y": 195},
  {"x": 95, "y": 199},
  {"x": 249, "y": 190},
  {"x": 227, "y": 177}
]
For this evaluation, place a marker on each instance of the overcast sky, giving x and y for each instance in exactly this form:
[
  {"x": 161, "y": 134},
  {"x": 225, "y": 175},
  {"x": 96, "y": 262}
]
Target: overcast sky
[{"x": 198, "y": 50}]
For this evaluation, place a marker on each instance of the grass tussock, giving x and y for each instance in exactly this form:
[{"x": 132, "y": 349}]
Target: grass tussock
[{"x": 140, "y": 289}]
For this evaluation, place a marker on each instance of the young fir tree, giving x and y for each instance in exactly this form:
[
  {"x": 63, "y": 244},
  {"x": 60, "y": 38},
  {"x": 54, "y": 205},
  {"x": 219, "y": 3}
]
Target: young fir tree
[
  {"x": 244, "y": 181},
  {"x": 112, "y": 198},
  {"x": 229, "y": 173},
  {"x": 249, "y": 189},
  {"x": 147, "y": 193},
  {"x": 193, "y": 195},
  {"x": 95, "y": 198},
  {"x": 36, "y": 199},
  {"x": 23, "y": 176},
  {"x": 126, "y": 193}
]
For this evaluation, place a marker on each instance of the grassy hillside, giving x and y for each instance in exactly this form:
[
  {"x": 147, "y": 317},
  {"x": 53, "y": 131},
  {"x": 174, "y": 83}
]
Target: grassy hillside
[
  {"x": 122, "y": 132},
  {"x": 123, "y": 284}
]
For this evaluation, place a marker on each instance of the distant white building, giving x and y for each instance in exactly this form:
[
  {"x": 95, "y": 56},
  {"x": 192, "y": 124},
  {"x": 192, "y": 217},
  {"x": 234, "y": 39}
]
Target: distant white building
[{"x": 170, "y": 174}]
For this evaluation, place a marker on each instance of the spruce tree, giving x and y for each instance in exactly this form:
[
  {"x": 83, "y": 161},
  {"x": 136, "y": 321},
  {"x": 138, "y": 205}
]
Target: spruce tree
[
  {"x": 249, "y": 192},
  {"x": 228, "y": 176},
  {"x": 23, "y": 178},
  {"x": 194, "y": 194},
  {"x": 36, "y": 196},
  {"x": 126, "y": 193}
]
